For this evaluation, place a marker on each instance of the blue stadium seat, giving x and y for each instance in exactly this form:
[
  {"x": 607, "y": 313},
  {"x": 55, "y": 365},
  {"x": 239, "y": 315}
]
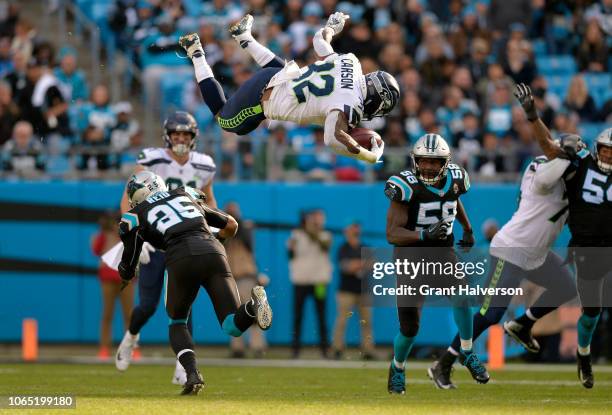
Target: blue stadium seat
[
  {"x": 556, "y": 64},
  {"x": 539, "y": 47},
  {"x": 558, "y": 84},
  {"x": 58, "y": 166},
  {"x": 599, "y": 85}
]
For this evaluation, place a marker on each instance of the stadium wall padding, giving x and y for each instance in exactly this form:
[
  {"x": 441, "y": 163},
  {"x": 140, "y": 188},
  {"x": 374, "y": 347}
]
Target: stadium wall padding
[{"x": 47, "y": 270}]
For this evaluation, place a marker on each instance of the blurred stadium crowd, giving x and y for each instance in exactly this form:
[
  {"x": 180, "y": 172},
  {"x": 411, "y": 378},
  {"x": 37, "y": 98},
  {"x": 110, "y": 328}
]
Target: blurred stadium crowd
[{"x": 456, "y": 61}]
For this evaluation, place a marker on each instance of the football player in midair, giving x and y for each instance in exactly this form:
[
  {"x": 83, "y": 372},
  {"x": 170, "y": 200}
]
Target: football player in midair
[
  {"x": 424, "y": 205},
  {"x": 178, "y": 222},
  {"x": 332, "y": 92},
  {"x": 588, "y": 179},
  {"x": 179, "y": 165},
  {"x": 521, "y": 250}
]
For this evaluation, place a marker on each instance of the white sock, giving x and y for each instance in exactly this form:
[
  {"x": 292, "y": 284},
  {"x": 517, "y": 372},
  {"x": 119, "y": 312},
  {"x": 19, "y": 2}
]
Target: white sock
[
  {"x": 260, "y": 54},
  {"x": 132, "y": 336},
  {"x": 466, "y": 345},
  {"x": 530, "y": 315},
  {"x": 584, "y": 351},
  {"x": 398, "y": 364},
  {"x": 453, "y": 351},
  {"x": 201, "y": 67},
  {"x": 179, "y": 366}
]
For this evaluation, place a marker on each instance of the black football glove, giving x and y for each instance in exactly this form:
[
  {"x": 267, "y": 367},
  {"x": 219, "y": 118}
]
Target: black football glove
[
  {"x": 467, "y": 241},
  {"x": 523, "y": 94},
  {"x": 436, "y": 232}
]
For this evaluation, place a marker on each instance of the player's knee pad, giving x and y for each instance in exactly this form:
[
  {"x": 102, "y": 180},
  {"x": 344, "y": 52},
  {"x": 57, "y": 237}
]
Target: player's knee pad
[{"x": 494, "y": 314}]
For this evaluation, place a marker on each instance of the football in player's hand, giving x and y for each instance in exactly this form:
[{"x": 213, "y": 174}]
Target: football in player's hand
[{"x": 364, "y": 136}]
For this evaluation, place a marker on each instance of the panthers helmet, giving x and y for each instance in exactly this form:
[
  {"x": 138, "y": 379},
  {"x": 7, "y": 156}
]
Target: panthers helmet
[
  {"x": 382, "y": 94},
  {"x": 431, "y": 146},
  {"x": 604, "y": 139},
  {"x": 143, "y": 184},
  {"x": 180, "y": 121}
]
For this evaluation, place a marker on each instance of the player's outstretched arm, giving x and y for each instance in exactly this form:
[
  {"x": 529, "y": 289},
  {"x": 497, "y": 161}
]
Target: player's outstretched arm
[
  {"x": 397, "y": 234},
  {"x": 336, "y": 136},
  {"x": 322, "y": 39},
  {"x": 548, "y": 174},
  {"x": 523, "y": 94}
]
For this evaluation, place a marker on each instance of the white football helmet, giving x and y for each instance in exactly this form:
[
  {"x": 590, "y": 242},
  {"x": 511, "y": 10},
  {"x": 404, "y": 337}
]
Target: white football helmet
[
  {"x": 431, "y": 146},
  {"x": 142, "y": 185},
  {"x": 604, "y": 139}
]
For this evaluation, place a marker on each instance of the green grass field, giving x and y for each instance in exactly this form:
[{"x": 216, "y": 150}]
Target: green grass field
[{"x": 100, "y": 389}]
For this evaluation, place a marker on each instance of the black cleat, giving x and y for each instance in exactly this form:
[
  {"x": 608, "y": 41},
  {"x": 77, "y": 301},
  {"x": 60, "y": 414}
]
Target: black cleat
[
  {"x": 475, "y": 366},
  {"x": 585, "y": 370},
  {"x": 396, "y": 384},
  {"x": 194, "y": 384},
  {"x": 440, "y": 373},
  {"x": 522, "y": 335}
]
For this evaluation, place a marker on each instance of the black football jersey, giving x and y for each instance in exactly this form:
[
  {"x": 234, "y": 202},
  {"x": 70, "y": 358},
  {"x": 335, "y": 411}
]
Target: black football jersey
[
  {"x": 173, "y": 221},
  {"x": 427, "y": 204},
  {"x": 589, "y": 192}
]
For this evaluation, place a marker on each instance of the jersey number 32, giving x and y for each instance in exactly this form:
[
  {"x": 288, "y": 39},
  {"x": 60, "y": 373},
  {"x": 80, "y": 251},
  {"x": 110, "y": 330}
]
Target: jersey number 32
[{"x": 306, "y": 81}]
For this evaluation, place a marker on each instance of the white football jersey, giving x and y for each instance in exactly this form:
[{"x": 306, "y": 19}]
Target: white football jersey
[
  {"x": 335, "y": 83},
  {"x": 526, "y": 239},
  {"x": 197, "y": 172}
]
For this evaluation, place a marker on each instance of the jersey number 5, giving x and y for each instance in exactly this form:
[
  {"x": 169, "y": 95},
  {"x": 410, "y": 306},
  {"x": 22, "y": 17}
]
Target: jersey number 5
[
  {"x": 304, "y": 82},
  {"x": 169, "y": 214},
  {"x": 593, "y": 192}
]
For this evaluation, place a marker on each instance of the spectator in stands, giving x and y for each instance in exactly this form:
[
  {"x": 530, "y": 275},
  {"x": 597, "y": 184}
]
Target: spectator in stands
[
  {"x": 9, "y": 112},
  {"x": 23, "y": 153},
  {"x": 498, "y": 118},
  {"x": 276, "y": 160},
  {"x": 21, "y": 87},
  {"x": 358, "y": 39},
  {"x": 478, "y": 62},
  {"x": 220, "y": 13},
  {"x": 95, "y": 123},
  {"x": 450, "y": 114},
  {"x": 301, "y": 31},
  {"x": 50, "y": 109},
  {"x": 310, "y": 271},
  {"x": 545, "y": 102},
  {"x": 593, "y": 52},
  {"x": 490, "y": 160},
  {"x": 105, "y": 239},
  {"x": 72, "y": 81},
  {"x": 314, "y": 158},
  {"x": 349, "y": 295},
  {"x": 9, "y": 19},
  {"x": 23, "y": 41},
  {"x": 124, "y": 127},
  {"x": 6, "y": 63},
  {"x": 517, "y": 62},
  {"x": 158, "y": 58},
  {"x": 579, "y": 101},
  {"x": 468, "y": 141},
  {"x": 240, "y": 256},
  {"x": 503, "y": 13}
]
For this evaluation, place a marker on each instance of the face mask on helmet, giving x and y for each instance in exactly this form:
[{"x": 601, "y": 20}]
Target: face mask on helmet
[
  {"x": 181, "y": 149},
  {"x": 603, "y": 151},
  {"x": 382, "y": 94},
  {"x": 430, "y": 170},
  {"x": 604, "y": 158}
]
